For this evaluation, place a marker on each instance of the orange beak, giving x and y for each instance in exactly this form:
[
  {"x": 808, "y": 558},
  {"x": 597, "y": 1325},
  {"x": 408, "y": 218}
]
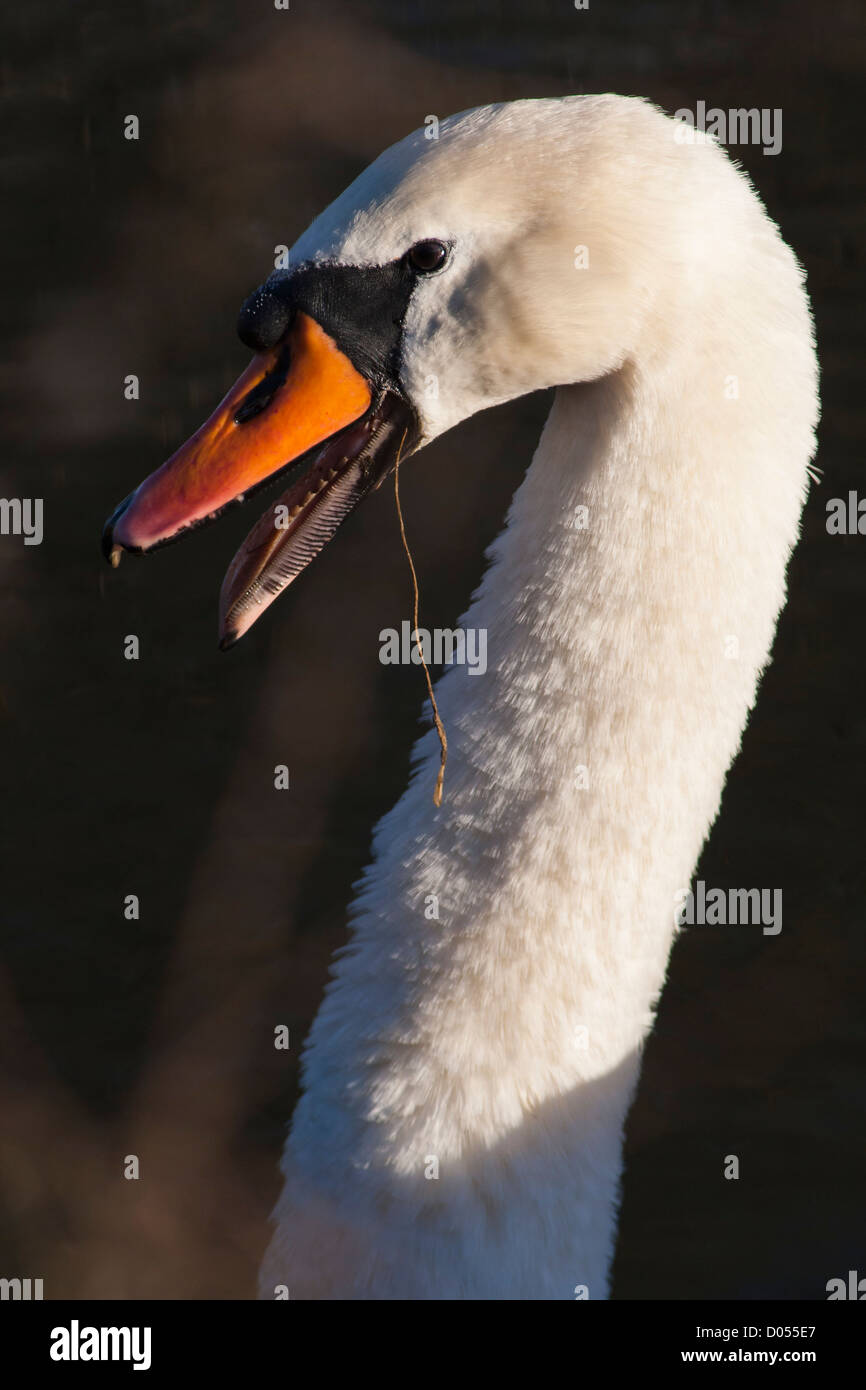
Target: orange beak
[
  {"x": 303, "y": 396},
  {"x": 287, "y": 401}
]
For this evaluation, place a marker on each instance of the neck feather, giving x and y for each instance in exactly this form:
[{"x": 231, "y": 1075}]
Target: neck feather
[{"x": 630, "y": 606}]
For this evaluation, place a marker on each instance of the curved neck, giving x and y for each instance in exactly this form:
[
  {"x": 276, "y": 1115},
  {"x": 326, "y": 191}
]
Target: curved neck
[{"x": 508, "y": 948}]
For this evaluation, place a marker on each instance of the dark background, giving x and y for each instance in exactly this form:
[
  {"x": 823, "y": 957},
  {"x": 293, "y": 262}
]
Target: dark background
[{"x": 156, "y": 777}]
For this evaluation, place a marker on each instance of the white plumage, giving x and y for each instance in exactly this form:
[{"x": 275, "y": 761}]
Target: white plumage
[{"x": 627, "y": 639}]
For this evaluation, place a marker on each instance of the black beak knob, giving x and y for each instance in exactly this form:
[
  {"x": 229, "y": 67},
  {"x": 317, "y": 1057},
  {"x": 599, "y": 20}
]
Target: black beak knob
[{"x": 263, "y": 320}]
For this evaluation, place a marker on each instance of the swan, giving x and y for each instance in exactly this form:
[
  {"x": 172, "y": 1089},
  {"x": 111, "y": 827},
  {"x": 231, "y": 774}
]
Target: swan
[{"x": 468, "y": 1075}]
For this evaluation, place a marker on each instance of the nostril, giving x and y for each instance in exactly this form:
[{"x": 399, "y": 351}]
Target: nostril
[
  {"x": 260, "y": 397},
  {"x": 263, "y": 320},
  {"x": 258, "y": 400}
]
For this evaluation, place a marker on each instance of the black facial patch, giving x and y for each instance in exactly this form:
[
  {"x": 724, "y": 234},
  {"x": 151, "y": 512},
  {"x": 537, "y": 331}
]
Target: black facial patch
[{"x": 361, "y": 307}]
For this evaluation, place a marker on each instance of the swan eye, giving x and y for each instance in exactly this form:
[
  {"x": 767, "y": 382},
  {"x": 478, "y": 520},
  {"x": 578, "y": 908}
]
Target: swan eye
[{"x": 426, "y": 256}]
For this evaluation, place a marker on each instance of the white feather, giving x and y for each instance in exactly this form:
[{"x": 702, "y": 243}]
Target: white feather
[{"x": 461, "y": 1039}]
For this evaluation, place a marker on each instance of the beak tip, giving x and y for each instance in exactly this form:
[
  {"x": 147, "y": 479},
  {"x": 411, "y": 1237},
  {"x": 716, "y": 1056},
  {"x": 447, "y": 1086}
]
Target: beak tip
[
  {"x": 227, "y": 640},
  {"x": 110, "y": 549}
]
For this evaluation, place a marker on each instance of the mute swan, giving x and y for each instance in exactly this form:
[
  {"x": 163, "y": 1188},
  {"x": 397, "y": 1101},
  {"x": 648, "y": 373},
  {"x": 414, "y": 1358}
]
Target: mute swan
[{"x": 468, "y": 1075}]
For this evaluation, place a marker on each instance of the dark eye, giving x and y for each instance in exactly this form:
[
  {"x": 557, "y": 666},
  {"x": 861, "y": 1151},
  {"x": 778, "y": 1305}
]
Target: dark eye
[{"x": 427, "y": 256}]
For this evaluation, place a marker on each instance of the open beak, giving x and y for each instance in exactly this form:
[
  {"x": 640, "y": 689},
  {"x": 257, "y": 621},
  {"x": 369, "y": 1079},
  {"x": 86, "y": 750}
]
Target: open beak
[{"x": 301, "y": 400}]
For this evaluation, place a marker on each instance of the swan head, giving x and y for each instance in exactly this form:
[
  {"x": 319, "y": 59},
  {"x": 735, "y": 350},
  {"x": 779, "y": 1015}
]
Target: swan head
[{"x": 455, "y": 273}]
